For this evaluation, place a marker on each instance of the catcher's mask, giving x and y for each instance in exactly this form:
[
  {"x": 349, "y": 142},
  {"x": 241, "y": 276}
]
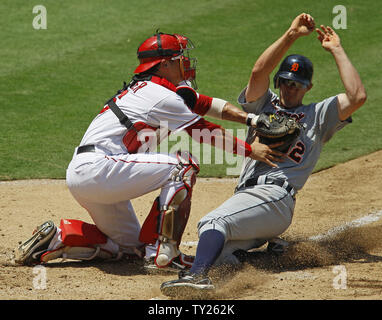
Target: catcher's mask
[
  {"x": 167, "y": 46},
  {"x": 294, "y": 67}
]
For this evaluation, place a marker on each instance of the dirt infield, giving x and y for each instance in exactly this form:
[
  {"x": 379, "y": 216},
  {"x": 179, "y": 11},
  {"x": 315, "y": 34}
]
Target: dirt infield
[{"x": 342, "y": 264}]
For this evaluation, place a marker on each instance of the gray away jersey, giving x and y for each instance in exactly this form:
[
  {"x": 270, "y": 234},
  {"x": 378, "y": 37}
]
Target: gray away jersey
[{"x": 321, "y": 123}]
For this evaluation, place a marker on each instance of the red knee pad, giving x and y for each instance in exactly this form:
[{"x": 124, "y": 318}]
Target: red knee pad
[{"x": 77, "y": 233}]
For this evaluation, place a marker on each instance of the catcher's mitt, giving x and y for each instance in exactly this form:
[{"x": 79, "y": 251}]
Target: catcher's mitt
[{"x": 273, "y": 128}]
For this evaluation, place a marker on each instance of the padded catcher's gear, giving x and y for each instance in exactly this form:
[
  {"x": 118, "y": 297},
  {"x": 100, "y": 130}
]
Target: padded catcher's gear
[{"x": 167, "y": 46}]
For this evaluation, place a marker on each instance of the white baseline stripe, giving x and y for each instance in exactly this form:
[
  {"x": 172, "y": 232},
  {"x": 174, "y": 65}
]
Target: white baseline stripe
[{"x": 370, "y": 218}]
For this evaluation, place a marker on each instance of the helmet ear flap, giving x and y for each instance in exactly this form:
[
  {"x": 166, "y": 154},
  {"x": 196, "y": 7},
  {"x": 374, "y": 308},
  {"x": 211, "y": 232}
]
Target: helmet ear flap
[{"x": 276, "y": 81}]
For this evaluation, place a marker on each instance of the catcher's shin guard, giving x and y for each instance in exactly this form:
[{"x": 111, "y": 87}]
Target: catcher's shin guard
[
  {"x": 174, "y": 218},
  {"x": 166, "y": 222},
  {"x": 79, "y": 240}
]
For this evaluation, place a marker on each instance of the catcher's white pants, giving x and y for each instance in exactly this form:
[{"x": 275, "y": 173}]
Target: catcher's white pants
[{"x": 104, "y": 186}]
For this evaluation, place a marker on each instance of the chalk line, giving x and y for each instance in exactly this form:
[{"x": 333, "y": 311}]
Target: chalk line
[{"x": 370, "y": 218}]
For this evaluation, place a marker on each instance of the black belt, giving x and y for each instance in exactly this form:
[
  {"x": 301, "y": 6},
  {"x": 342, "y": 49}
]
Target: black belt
[
  {"x": 267, "y": 180},
  {"x": 86, "y": 148}
]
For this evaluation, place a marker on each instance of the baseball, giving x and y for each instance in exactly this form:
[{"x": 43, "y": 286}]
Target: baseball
[{"x": 162, "y": 260}]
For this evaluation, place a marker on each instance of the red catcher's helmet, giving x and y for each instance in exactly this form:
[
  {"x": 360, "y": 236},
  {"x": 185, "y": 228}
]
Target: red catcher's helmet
[{"x": 166, "y": 46}]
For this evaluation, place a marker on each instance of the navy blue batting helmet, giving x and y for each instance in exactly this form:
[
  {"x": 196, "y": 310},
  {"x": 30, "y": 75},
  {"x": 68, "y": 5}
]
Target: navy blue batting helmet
[{"x": 294, "y": 67}]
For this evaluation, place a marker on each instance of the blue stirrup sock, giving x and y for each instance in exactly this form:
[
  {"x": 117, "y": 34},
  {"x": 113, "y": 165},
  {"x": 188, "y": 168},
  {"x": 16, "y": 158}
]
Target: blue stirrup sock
[{"x": 210, "y": 245}]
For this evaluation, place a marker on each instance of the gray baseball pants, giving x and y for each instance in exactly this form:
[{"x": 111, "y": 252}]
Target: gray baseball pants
[{"x": 249, "y": 218}]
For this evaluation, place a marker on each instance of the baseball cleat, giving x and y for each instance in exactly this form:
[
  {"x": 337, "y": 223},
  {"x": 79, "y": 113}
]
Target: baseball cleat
[
  {"x": 187, "y": 284},
  {"x": 30, "y": 251},
  {"x": 179, "y": 263},
  {"x": 277, "y": 246}
]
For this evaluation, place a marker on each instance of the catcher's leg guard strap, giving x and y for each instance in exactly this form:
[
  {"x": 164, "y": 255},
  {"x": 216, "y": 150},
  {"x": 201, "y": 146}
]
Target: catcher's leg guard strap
[
  {"x": 81, "y": 241},
  {"x": 83, "y": 253}
]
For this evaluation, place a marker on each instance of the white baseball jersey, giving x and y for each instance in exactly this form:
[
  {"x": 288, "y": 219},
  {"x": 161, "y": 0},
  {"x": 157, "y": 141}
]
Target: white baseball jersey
[{"x": 150, "y": 106}]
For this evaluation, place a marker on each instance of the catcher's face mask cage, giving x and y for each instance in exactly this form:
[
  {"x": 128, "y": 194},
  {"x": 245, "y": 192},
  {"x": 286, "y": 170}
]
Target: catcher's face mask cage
[
  {"x": 296, "y": 68},
  {"x": 167, "y": 46},
  {"x": 188, "y": 64}
]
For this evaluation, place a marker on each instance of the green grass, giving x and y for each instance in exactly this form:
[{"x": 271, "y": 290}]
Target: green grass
[{"x": 53, "y": 82}]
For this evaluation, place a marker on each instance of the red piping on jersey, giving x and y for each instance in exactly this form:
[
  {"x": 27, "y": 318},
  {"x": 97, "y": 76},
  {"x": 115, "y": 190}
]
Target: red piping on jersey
[
  {"x": 185, "y": 124},
  {"x": 122, "y": 94},
  {"x": 104, "y": 109},
  {"x": 133, "y": 161}
]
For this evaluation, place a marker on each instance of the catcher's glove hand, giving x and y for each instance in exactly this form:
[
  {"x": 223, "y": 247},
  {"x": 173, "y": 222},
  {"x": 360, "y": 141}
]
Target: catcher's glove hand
[{"x": 272, "y": 128}]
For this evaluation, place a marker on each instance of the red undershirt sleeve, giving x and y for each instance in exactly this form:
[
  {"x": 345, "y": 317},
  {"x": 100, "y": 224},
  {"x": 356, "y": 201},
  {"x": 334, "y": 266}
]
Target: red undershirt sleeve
[{"x": 239, "y": 146}]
